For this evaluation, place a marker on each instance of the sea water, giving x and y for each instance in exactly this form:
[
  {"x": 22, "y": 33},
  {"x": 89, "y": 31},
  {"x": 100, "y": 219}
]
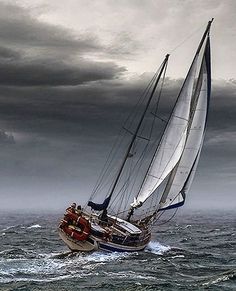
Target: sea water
[{"x": 194, "y": 251}]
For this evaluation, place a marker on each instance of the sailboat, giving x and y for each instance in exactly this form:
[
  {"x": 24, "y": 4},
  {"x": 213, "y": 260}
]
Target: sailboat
[{"x": 129, "y": 203}]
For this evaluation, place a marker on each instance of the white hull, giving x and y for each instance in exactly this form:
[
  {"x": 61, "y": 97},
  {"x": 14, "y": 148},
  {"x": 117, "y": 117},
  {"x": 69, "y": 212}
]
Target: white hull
[
  {"x": 120, "y": 236},
  {"x": 97, "y": 244}
]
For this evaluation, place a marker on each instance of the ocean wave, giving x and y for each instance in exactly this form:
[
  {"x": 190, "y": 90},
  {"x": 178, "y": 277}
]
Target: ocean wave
[
  {"x": 10, "y": 227},
  {"x": 35, "y": 257},
  {"x": 18, "y": 253},
  {"x": 225, "y": 276},
  {"x": 99, "y": 256}
]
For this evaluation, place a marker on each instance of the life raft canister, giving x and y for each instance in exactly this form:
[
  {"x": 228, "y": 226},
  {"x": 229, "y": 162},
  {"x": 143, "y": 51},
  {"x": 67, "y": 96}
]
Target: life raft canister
[{"x": 81, "y": 222}]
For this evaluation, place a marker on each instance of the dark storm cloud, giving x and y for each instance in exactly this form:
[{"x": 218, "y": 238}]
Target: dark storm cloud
[
  {"x": 223, "y": 106},
  {"x": 38, "y": 54},
  {"x": 8, "y": 54},
  {"x": 106, "y": 100},
  {"x": 43, "y": 72},
  {"x": 64, "y": 134}
]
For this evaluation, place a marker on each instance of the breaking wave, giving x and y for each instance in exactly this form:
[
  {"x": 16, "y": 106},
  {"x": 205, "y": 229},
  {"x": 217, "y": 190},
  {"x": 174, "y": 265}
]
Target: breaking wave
[
  {"x": 34, "y": 226},
  {"x": 157, "y": 248}
]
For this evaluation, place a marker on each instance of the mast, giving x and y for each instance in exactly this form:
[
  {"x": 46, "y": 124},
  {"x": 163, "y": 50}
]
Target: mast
[
  {"x": 164, "y": 64},
  {"x": 204, "y": 35}
]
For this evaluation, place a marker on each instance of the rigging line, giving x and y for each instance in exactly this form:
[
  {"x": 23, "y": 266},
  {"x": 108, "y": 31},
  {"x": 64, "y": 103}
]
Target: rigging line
[
  {"x": 124, "y": 189},
  {"x": 103, "y": 185},
  {"x": 173, "y": 215},
  {"x": 107, "y": 163},
  {"x": 151, "y": 83},
  {"x": 159, "y": 141},
  {"x": 186, "y": 39},
  {"x": 179, "y": 193},
  {"x": 137, "y": 130},
  {"x": 125, "y": 192},
  {"x": 138, "y": 162},
  {"x": 158, "y": 101},
  {"x": 124, "y": 182},
  {"x": 142, "y": 156},
  {"x": 162, "y": 213},
  {"x": 142, "y": 97},
  {"x": 128, "y": 193},
  {"x": 134, "y": 114},
  {"x": 159, "y": 98},
  {"x": 157, "y": 106}
]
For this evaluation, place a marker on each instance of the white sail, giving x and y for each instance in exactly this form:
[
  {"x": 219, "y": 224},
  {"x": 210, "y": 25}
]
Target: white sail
[
  {"x": 182, "y": 176},
  {"x": 173, "y": 140}
]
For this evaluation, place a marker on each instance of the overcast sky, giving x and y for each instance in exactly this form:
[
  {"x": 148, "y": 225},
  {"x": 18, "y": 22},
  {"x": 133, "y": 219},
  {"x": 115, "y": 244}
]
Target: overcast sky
[{"x": 70, "y": 72}]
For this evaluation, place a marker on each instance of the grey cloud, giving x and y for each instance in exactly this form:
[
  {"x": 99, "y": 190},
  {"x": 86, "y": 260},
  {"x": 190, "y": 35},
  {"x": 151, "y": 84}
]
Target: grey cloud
[
  {"x": 18, "y": 27},
  {"x": 34, "y": 53},
  {"x": 8, "y": 54},
  {"x": 54, "y": 73},
  {"x": 106, "y": 99}
]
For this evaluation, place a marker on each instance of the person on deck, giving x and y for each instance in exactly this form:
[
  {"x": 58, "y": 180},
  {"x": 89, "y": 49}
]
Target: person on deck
[{"x": 71, "y": 208}]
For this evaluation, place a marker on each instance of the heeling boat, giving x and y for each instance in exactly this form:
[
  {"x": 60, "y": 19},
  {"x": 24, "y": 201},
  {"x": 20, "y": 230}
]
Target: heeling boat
[{"x": 158, "y": 178}]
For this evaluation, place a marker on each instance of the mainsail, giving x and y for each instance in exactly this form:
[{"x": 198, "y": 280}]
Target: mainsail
[
  {"x": 181, "y": 177},
  {"x": 173, "y": 140},
  {"x": 180, "y": 143}
]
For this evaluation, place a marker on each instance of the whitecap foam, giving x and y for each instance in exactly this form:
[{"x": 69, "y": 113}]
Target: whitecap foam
[
  {"x": 34, "y": 226},
  {"x": 220, "y": 278},
  {"x": 156, "y": 248},
  {"x": 105, "y": 257},
  {"x": 178, "y": 256},
  {"x": 9, "y": 227}
]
